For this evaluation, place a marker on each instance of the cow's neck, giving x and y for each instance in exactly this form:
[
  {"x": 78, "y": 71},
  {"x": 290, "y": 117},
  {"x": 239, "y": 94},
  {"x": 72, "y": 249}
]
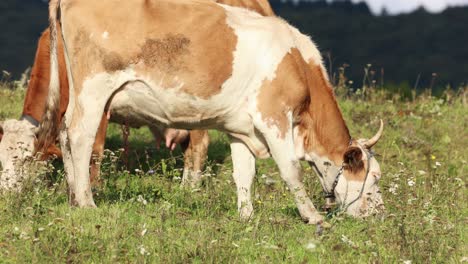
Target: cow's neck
[{"x": 327, "y": 134}]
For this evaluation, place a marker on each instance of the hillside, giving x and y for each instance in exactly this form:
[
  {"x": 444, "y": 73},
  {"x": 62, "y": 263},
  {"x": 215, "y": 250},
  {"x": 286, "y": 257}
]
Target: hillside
[{"x": 400, "y": 48}]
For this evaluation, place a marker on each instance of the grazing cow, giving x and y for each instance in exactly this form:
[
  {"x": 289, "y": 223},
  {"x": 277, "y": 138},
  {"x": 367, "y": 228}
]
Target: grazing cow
[
  {"x": 23, "y": 131},
  {"x": 256, "y": 78},
  {"x": 195, "y": 149}
]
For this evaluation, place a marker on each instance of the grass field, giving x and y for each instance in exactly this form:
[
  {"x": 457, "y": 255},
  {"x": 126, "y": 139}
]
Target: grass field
[{"x": 144, "y": 216}]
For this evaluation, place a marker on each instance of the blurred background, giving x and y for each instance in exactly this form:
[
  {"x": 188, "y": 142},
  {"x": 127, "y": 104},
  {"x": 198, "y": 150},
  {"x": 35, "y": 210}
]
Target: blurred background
[{"x": 402, "y": 45}]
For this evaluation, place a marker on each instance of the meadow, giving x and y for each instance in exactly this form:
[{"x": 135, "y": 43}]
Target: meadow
[{"x": 145, "y": 216}]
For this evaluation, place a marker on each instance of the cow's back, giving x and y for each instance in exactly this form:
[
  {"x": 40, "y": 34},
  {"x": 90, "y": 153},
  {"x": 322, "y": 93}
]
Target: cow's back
[
  {"x": 261, "y": 6},
  {"x": 152, "y": 42}
]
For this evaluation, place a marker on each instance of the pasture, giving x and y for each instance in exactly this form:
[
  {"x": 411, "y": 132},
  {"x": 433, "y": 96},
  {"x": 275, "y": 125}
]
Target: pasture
[{"x": 144, "y": 216}]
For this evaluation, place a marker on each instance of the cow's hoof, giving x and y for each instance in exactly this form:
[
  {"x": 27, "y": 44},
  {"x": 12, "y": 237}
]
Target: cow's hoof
[
  {"x": 88, "y": 205},
  {"x": 314, "y": 219},
  {"x": 246, "y": 212}
]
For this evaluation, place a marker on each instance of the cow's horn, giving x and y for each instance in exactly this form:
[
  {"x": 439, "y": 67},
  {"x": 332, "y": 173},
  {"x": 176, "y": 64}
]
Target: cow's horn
[{"x": 371, "y": 142}]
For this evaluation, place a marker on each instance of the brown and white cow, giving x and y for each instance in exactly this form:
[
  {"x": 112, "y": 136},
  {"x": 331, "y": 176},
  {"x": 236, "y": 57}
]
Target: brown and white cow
[
  {"x": 20, "y": 134},
  {"x": 256, "y": 78}
]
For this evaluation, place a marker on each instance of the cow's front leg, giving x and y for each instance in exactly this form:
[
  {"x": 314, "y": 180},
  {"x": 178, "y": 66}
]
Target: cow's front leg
[
  {"x": 243, "y": 162},
  {"x": 283, "y": 152}
]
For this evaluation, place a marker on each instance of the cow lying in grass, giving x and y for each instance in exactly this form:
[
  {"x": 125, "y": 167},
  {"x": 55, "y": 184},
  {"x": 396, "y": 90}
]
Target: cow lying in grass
[
  {"x": 256, "y": 78},
  {"x": 23, "y": 131}
]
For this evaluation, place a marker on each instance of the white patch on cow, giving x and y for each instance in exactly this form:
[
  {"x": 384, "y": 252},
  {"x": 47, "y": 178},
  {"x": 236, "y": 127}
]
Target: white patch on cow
[
  {"x": 105, "y": 35},
  {"x": 307, "y": 47}
]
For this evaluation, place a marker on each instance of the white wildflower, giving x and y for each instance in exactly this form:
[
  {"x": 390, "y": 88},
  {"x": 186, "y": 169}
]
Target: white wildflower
[
  {"x": 438, "y": 164},
  {"x": 393, "y": 188},
  {"x": 142, "y": 200},
  {"x": 407, "y": 262},
  {"x": 348, "y": 241},
  {"x": 143, "y": 251},
  {"x": 311, "y": 246},
  {"x": 411, "y": 182}
]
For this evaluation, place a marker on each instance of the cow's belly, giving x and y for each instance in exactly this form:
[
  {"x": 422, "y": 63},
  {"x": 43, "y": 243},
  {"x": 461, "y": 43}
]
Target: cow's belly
[{"x": 139, "y": 105}]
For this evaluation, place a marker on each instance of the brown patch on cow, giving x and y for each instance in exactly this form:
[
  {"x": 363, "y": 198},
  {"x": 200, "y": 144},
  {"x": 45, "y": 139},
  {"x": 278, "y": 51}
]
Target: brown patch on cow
[
  {"x": 165, "y": 53},
  {"x": 169, "y": 51},
  {"x": 262, "y": 7},
  {"x": 322, "y": 124},
  {"x": 112, "y": 62},
  {"x": 287, "y": 92}
]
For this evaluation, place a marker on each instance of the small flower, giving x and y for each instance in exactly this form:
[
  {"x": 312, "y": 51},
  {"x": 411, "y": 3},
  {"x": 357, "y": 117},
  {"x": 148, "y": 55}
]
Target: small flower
[
  {"x": 142, "y": 200},
  {"x": 143, "y": 251},
  {"x": 433, "y": 157},
  {"x": 393, "y": 189},
  {"x": 311, "y": 246},
  {"x": 411, "y": 182},
  {"x": 438, "y": 164},
  {"x": 421, "y": 172},
  {"x": 150, "y": 172}
]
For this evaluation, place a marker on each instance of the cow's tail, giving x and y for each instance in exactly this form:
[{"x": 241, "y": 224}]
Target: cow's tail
[{"x": 49, "y": 127}]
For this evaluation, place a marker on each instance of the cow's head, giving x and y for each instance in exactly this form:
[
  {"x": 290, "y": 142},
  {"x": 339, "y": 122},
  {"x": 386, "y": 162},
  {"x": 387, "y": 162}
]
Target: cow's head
[
  {"x": 351, "y": 178},
  {"x": 357, "y": 191},
  {"x": 16, "y": 146}
]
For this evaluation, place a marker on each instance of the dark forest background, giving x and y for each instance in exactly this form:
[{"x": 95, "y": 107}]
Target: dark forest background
[{"x": 404, "y": 50}]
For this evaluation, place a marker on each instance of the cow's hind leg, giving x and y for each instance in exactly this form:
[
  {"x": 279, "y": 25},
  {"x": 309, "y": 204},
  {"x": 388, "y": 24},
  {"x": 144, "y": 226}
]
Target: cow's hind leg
[
  {"x": 68, "y": 164},
  {"x": 283, "y": 152},
  {"x": 98, "y": 151},
  {"x": 194, "y": 157},
  {"x": 243, "y": 162}
]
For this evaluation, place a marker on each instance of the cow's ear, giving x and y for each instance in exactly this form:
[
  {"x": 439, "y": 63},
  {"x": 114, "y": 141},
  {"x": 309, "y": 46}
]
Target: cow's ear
[{"x": 352, "y": 159}]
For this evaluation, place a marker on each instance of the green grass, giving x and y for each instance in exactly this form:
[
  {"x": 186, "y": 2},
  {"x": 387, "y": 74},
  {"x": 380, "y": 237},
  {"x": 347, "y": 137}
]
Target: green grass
[{"x": 144, "y": 217}]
